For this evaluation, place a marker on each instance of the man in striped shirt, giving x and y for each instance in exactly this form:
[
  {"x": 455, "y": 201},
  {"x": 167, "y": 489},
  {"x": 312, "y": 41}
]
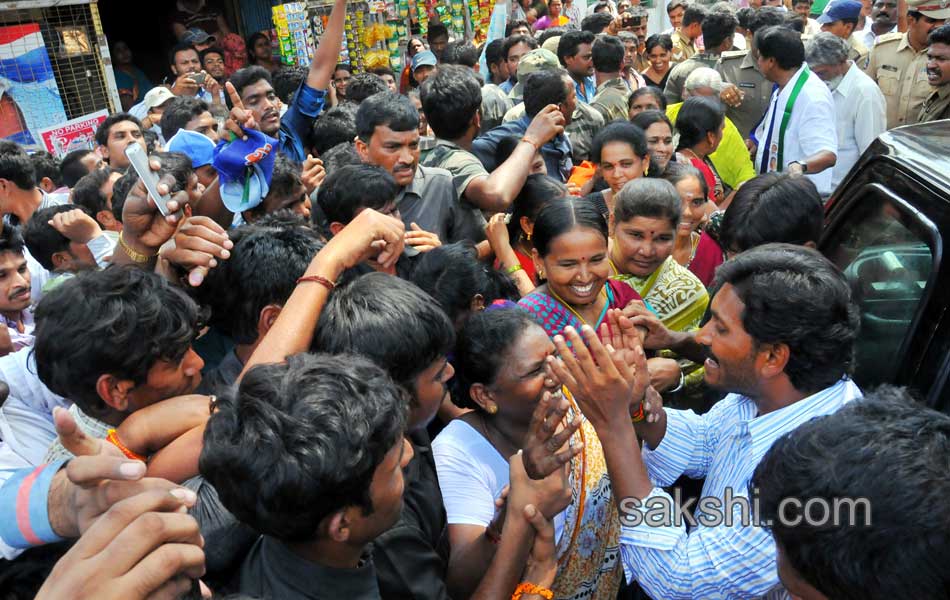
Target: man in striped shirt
[{"x": 781, "y": 341}]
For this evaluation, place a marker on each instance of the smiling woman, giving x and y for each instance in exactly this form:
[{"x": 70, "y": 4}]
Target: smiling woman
[{"x": 570, "y": 251}]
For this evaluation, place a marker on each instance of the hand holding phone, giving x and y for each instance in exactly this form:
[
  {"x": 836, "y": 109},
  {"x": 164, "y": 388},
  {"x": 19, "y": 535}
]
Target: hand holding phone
[
  {"x": 138, "y": 158},
  {"x": 199, "y": 78}
]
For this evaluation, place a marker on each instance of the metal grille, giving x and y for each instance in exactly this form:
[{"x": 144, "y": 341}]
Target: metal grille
[{"x": 51, "y": 66}]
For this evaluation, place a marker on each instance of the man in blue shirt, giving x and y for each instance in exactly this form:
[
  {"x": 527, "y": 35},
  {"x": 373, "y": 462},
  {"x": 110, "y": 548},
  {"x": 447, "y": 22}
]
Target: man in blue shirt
[
  {"x": 574, "y": 51},
  {"x": 254, "y": 103},
  {"x": 784, "y": 355}
]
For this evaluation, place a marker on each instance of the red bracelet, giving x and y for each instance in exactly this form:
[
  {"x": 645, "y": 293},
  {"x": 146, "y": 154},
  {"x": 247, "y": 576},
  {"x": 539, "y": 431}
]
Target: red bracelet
[
  {"x": 639, "y": 415},
  {"x": 529, "y": 588},
  {"x": 113, "y": 439},
  {"x": 318, "y": 279}
]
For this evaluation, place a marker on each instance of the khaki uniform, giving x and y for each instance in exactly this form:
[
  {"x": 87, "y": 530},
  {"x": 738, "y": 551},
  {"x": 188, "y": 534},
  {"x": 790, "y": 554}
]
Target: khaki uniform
[
  {"x": 585, "y": 123},
  {"x": 675, "y": 83},
  {"x": 611, "y": 99},
  {"x": 739, "y": 69},
  {"x": 901, "y": 73},
  {"x": 858, "y": 54},
  {"x": 937, "y": 105},
  {"x": 683, "y": 47}
]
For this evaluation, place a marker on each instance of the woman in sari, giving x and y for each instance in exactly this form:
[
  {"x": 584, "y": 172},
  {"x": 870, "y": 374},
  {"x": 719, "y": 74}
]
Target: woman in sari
[
  {"x": 570, "y": 252},
  {"x": 700, "y": 123},
  {"x": 620, "y": 152},
  {"x": 695, "y": 248},
  {"x": 500, "y": 359}
]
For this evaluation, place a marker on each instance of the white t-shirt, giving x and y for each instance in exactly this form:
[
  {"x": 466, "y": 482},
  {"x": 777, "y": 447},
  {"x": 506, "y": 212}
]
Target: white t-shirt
[
  {"x": 471, "y": 475},
  {"x": 811, "y": 128},
  {"x": 861, "y": 116}
]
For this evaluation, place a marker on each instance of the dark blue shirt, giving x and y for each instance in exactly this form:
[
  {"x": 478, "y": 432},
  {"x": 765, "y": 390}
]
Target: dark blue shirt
[
  {"x": 556, "y": 153},
  {"x": 296, "y": 123}
]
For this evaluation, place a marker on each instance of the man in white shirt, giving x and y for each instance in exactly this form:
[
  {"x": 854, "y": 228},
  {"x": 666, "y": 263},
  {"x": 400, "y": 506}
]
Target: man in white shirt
[
  {"x": 797, "y": 134},
  {"x": 860, "y": 108},
  {"x": 883, "y": 20}
]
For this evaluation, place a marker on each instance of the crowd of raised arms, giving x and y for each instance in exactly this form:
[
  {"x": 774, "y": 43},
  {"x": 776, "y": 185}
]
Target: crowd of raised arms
[{"x": 448, "y": 333}]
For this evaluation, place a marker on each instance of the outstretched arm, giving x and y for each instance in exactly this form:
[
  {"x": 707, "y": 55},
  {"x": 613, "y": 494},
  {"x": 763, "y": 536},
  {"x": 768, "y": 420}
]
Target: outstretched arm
[{"x": 324, "y": 59}]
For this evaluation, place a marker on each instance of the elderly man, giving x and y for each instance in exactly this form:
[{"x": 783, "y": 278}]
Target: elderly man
[
  {"x": 731, "y": 159},
  {"x": 860, "y": 108}
]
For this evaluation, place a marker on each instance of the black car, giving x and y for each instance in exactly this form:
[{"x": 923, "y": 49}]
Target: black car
[{"x": 885, "y": 227}]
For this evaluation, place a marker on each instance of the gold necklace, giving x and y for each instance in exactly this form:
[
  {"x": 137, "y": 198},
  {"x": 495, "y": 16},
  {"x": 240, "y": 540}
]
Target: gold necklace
[{"x": 603, "y": 292}]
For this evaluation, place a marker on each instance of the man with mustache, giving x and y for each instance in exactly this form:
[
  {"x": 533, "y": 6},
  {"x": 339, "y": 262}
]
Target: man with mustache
[
  {"x": 14, "y": 293},
  {"x": 783, "y": 357},
  {"x": 254, "y": 104},
  {"x": 898, "y": 62},
  {"x": 937, "y": 105}
]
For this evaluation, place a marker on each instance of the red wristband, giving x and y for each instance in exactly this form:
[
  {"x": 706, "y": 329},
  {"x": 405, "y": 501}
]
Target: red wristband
[{"x": 317, "y": 279}]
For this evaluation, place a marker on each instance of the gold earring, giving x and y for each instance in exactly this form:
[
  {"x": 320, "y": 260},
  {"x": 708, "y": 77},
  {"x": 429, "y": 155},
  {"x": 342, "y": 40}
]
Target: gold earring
[
  {"x": 529, "y": 236},
  {"x": 492, "y": 409}
]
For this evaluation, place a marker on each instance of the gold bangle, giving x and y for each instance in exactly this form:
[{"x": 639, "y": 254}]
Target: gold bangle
[{"x": 137, "y": 257}]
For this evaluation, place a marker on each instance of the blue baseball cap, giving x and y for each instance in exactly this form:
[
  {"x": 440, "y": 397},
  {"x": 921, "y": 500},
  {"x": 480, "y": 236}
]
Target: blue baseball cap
[
  {"x": 199, "y": 148},
  {"x": 426, "y": 57},
  {"x": 839, "y": 10},
  {"x": 244, "y": 169}
]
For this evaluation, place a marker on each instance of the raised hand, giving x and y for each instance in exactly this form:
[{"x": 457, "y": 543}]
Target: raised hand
[
  {"x": 544, "y": 447},
  {"x": 76, "y": 226},
  {"x": 199, "y": 243},
  {"x": 144, "y": 227},
  {"x": 240, "y": 116},
  {"x": 369, "y": 235},
  {"x": 550, "y": 495},
  {"x": 545, "y": 126},
  {"x": 312, "y": 174},
  {"x": 421, "y": 240}
]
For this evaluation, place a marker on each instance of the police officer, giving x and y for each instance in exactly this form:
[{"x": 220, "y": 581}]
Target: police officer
[
  {"x": 898, "y": 61},
  {"x": 684, "y": 39},
  {"x": 937, "y": 105},
  {"x": 840, "y": 19},
  {"x": 748, "y": 97}
]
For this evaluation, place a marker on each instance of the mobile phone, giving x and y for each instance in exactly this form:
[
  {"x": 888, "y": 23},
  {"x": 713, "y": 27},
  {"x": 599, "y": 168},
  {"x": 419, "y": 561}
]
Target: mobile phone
[
  {"x": 199, "y": 78},
  {"x": 138, "y": 158}
]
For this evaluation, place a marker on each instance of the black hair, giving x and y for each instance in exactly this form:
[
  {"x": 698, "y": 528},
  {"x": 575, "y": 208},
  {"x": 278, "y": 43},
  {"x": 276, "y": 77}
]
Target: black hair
[
  {"x": 10, "y": 239},
  {"x": 339, "y": 156},
  {"x": 542, "y": 88},
  {"x": 211, "y": 50},
  {"x": 177, "y": 165},
  {"x": 766, "y": 16},
  {"x": 285, "y": 188},
  {"x": 460, "y": 52},
  {"x": 151, "y": 140},
  {"x": 608, "y": 54},
  {"x": 597, "y": 22},
  {"x": 16, "y": 166},
  {"x": 645, "y": 119},
  {"x": 120, "y": 191},
  {"x": 380, "y": 71},
  {"x": 778, "y": 285},
  {"x": 364, "y": 85},
  {"x": 794, "y": 22},
  {"x": 648, "y": 91},
  {"x": 493, "y": 52},
  {"x": 436, "y": 30},
  {"x": 698, "y": 116},
  {"x": 551, "y": 32},
  {"x": 506, "y": 146},
  {"x": 388, "y": 320},
  {"x": 939, "y": 35},
  {"x": 42, "y": 239},
  {"x": 263, "y": 269},
  {"x": 774, "y": 207},
  {"x": 744, "y": 17},
  {"x": 102, "y": 132},
  {"x": 561, "y": 216},
  {"x": 450, "y": 99},
  {"x": 676, "y": 172},
  {"x": 538, "y": 190},
  {"x": 619, "y": 131},
  {"x": 46, "y": 165},
  {"x": 659, "y": 39},
  {"x": 694, "y": 13},
  {"x": 179, "y": 112},
  {"x": 343, "y": 67},
  {"x": 453, "y": 275},
  {"x": 852, "y": 455},
  {"x": 570, "y": 43},
  {"x": 287, "y": 80},
  {"x": 119, "y": 321},
  {"x": 511, "y": 42},
  {"x": 718, "y": 26},
  {"x": 651, "y": 198},
  {"x": 512, "y": 25},
  {"x": 782, "y": 44},
  {"x": 483, "y": 349},
  {"x": 300, "y": 440},
  {"x": 388, "y": 109},
  {"x": 180, "y": 47},
  {"x": 335, "y": 126},
  {"x": 87, "y": 191},
  {"x": 72, "y": 168},
  {"x": 242, "y": 78},
  {"x": 351, "y": 188},
  {"x": 251, "y": 59}
]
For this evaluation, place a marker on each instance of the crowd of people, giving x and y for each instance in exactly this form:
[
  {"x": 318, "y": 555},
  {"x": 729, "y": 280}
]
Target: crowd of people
[{"x": 444, "y": 334}]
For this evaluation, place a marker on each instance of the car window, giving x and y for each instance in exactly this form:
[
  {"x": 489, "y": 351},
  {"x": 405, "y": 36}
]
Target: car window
[{"x": 885, "y": 250}]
